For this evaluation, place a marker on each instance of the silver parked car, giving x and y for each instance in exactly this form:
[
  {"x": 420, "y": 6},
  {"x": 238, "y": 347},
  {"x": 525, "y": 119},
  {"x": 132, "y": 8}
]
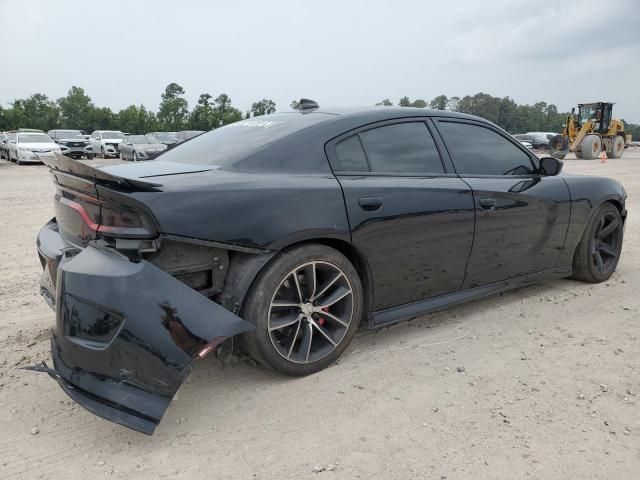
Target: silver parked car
[
  {"x": 32, "y": 147},
  {"x": 140, "y": 147},
  {"x": 106, "y": 143},
  {"x": 4, "y": 139},
  {"x": 74, "y": 140}
]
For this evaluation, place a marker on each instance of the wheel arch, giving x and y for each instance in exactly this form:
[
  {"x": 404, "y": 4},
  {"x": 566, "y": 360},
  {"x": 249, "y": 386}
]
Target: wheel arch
[
  {"x": 612, "y": 199},
  {"x": 245, "y": 269}
]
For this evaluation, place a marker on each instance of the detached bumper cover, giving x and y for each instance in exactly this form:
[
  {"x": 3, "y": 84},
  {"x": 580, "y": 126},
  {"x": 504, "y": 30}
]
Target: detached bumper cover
[{"x": 126, "y": 332}]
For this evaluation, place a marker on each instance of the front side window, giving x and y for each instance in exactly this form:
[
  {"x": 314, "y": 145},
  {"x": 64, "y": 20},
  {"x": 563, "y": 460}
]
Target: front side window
[
  {"x": 405, "y": 148},
  {"x": 481, "y": 151}
]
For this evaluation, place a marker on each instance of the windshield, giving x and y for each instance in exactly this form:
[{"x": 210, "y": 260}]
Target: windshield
[
  {"x": 69, "y": 134},
  {"x": 588, "y": 112},
  {"x": 33, "y": 138},
  {"x": 539, "y": 137},
  {"x": 163, "y": 136},
  {"x": 113, "y": 135},
  {"x": 138, "y": 139}
]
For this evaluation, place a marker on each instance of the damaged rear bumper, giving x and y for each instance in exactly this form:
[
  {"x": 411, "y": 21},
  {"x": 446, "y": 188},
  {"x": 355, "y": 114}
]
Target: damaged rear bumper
[{"x": 126, "y": 332}]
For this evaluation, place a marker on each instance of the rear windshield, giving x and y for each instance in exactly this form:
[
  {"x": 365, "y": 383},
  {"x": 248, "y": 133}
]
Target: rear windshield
[{"x": 224, "y": 146}]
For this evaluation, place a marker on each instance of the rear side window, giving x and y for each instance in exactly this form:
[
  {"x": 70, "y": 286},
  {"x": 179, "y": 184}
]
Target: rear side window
[
  {"x": 351, "y": 155},
  {"x": 480, "y": 151},
  {"x": 406, "y": 148}
]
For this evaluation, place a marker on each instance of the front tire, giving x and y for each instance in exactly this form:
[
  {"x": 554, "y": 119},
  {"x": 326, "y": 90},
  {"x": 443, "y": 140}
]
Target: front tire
[
  {"x": 306, "y": 306},
  {"x": 598, "y": 252},
  {"x": 591, "y": 147},
  {"x": 102, "y": 154},
  {"x": 135, "y": 157}
]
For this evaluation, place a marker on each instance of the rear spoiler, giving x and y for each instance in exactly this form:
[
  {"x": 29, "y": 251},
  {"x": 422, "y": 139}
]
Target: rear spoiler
[{"x": 62, "y": 163}]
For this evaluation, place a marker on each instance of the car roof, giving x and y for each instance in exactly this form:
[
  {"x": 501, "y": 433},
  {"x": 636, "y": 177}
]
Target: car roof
[{"x": 390, "y": 112}]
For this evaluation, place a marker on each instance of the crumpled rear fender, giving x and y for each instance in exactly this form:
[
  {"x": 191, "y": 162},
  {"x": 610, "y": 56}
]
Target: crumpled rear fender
[{"x": 126, "y": 333}]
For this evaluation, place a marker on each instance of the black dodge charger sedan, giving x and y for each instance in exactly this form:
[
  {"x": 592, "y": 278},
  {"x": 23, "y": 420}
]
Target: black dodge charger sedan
[{"x": 290, "y": 232}]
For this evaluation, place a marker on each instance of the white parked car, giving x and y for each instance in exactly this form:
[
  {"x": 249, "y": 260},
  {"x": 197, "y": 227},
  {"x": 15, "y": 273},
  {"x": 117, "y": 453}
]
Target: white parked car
[
  {"x": 32, "y": 147},
  {"x": 106, "y": 143}
]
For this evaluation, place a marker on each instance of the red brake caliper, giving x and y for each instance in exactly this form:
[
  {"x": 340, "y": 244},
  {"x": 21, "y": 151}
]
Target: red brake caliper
[{"x": 321, "y": 321}]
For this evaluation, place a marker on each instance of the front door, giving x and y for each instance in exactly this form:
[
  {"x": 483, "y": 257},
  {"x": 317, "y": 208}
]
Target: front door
[
  {"x": 521, "y": 216},
  {"x": 411, "y": 218}
]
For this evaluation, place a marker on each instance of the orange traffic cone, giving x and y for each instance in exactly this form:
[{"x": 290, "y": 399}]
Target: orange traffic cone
[{"x": 603, "y": 157}]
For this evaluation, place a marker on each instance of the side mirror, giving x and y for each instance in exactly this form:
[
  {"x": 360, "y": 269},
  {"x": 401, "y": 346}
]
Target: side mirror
[{"x": 550, "y": 166}]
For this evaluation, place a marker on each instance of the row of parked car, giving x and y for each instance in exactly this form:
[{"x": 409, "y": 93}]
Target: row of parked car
[
  {"x": 536, "y": 140},
  {"x": 27, "y": 145}
]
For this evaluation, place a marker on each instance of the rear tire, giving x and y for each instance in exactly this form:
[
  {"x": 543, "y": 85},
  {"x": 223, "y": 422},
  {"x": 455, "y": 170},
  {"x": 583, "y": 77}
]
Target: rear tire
[
  {"x": 298, "y": 331},
  {"x": 578, "y": 154},
  {"x": 617, "y": 147},
  {"x": 591, "y": 147},
  {"x": 598, "y": 252}
]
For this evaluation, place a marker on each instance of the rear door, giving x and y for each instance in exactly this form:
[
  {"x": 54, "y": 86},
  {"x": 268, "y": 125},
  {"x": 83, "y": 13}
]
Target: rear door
[
  {"x": 521, "y": 216},
  {"x": 410, "y": 216}
]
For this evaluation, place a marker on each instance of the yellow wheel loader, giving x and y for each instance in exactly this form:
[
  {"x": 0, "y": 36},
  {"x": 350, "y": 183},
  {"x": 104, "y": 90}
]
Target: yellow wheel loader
[{"x": 590, "y": 133}]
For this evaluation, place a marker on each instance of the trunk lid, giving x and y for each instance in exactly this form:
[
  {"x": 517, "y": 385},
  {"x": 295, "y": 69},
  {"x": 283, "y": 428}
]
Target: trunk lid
[{"x": 83, "y": 215}]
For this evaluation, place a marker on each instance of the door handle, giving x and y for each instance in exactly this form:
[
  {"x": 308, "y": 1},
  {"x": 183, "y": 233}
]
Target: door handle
[
  {"x": 487, "y": 203},
  {"x": 370, "y": 204}
]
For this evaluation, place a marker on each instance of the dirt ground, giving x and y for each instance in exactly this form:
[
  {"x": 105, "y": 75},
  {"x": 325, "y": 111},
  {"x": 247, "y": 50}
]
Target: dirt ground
[{"x": 538, "y": 383}]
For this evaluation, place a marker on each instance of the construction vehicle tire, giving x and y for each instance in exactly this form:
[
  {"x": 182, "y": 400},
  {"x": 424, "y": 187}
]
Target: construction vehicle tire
[
  {"x": 617, "y": 147},
  {"x": 559, "y": 143},
  {"x": 591, "y": 147}
]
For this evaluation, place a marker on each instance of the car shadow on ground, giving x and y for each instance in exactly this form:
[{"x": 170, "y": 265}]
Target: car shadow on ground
[{"x": 223, "y": 382}]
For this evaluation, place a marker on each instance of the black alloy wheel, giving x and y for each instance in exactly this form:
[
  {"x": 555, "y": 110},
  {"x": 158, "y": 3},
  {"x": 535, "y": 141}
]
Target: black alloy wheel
[
  {"x": 310, "y": 312},
  {"x": 597, "y": 255},
  {"x": 606, "y": 242},
  {"x": 306, "y": 306}
]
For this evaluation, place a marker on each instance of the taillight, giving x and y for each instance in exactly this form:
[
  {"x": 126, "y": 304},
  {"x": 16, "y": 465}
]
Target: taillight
[
  {"x": 108, "y": 218},
  {"x": 121, "y": 221}
]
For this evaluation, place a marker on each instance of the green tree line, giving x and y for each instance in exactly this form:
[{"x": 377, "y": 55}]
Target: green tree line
[
  {"x": 76, "y": 110},
  {"x": 515, "y": 118}
]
